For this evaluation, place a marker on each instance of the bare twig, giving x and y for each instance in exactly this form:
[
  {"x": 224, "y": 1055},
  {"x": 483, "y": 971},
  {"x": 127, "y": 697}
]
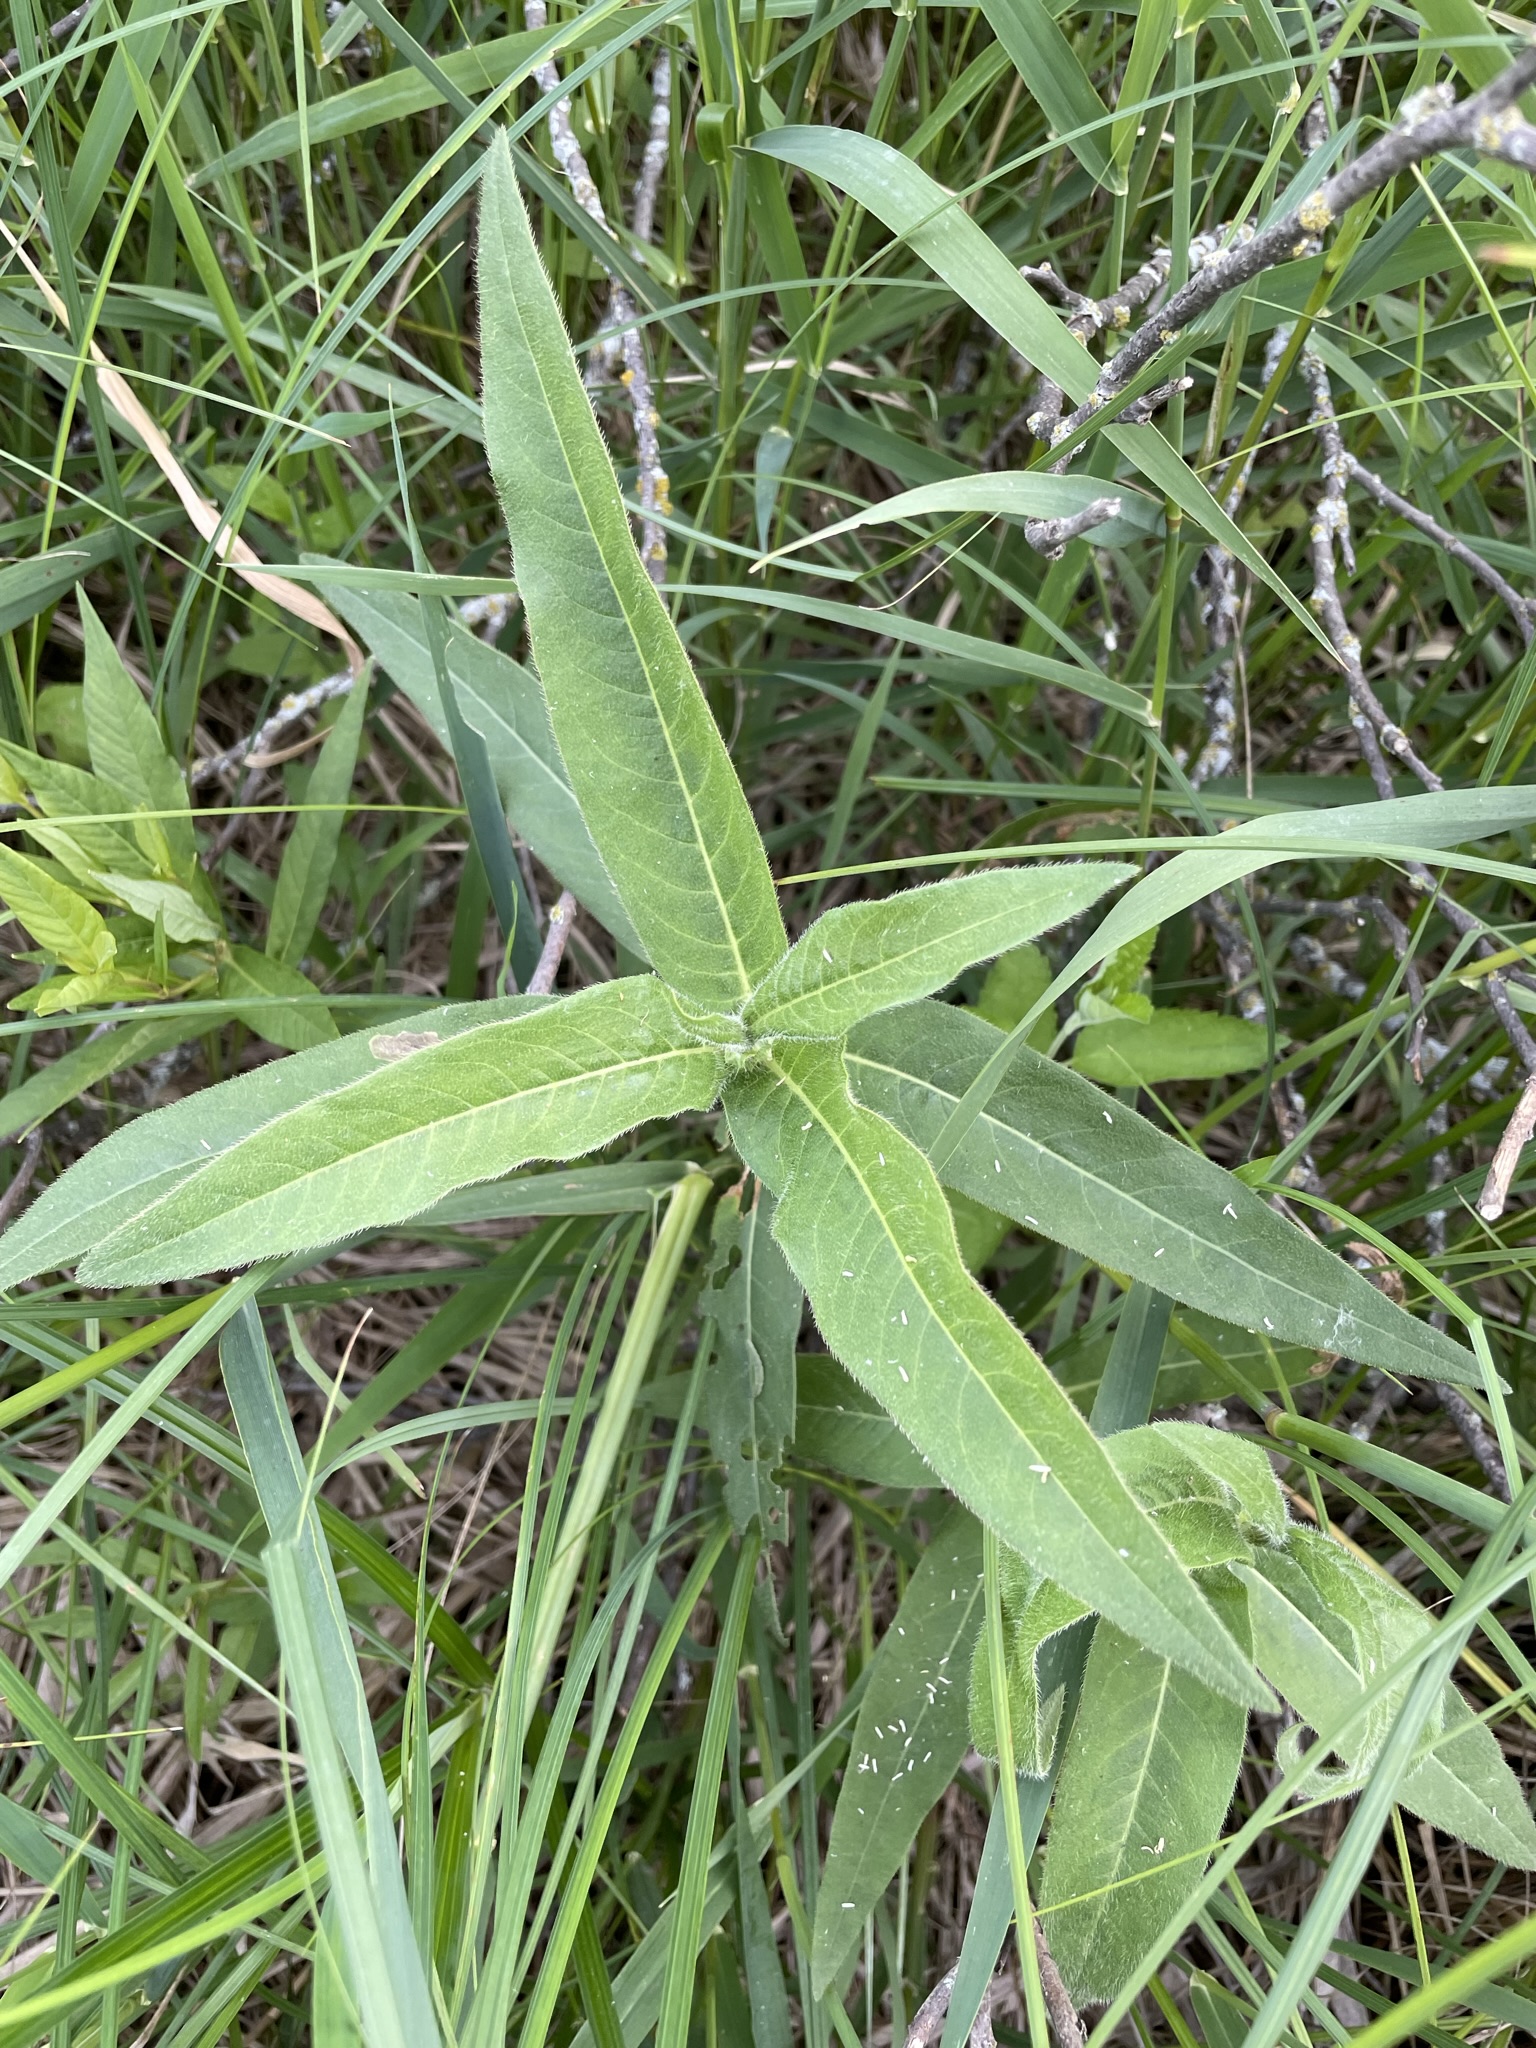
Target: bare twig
[
  {"x": 561, "y": 917},
  {"x": 1429, "y": 123},
  {"x": 1065, "y": 2024},
  {"x": 58, "y": 32},
  {"x": 1521, "y": 608},
  {"x": 21, "y": 1179},
  {"x": 928, "y": 2021},
  {"x": 1517, "y": 1135},
  {"x": 625, "y": 316}
]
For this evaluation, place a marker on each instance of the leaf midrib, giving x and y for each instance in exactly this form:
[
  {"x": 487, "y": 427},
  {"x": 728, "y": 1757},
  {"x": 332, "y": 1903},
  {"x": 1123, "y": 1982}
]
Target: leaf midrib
[
  {"x": 532, "y": 356},
  {"x": 548, "y": 1088},
  {"x": 830, "y": 985},
  {"x": 1005, "y": 1130}
]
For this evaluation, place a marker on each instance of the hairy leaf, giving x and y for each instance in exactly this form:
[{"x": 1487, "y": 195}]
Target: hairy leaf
[
  {"x": 1063, "y": 1159},
  {"x": 646, "y": 759},
  {"x": 566, "y": 1078},
  {"x": 839, "y": 1425},
  {"x": 140, "y": 1163},
  {"x": 1035, "y": 1612},
  {"x": 866, "y": 1227},
  {"x": 907, "y": 1743},
  {"x": 1145, "y": 1785},
  {"x": 865, "y": 957}
]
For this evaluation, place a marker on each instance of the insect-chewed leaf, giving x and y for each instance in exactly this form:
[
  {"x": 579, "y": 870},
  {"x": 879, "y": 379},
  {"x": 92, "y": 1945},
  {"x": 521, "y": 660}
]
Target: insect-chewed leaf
[
  {"x": 865, "y": 957},
  {"x": 127, "y": 1173},
  {"x": 646, "y": 760},
  {"x": 558, "y": 1082},
  {"x": 125, "y": 743},
  {"x": 748, "y": 1403},
  {"x": 865, "y": 1225},
  {"x": 1145, "y": 1785},
  {"x": 1066, "y": 1160},
  {"x": 907, "y": 1742}
]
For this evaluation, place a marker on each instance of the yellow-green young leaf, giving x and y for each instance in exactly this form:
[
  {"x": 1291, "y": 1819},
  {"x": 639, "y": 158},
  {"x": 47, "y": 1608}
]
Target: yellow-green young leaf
[
  {"x": 1061, "y": 1158},
  {"x": 1172, "y": 1045},
  {"x": 80, "y": 991},
  {"x": 274, "y": 1000},
  {"x": 1145, "y": 1785},
  {"x": 865, "y": 1225},
  {"x": 865, "y": 957},
  {"x": 907, "y": 1743},
  {"x": 143, "y": 1160},
  {"x": 61, "y": 922},
  {"x": 125, "y": 743},
  {"x": 560, "y": 1081},
  {"x": 310, "y": 854},
  {"x": 186, "y": 921},
  {"x": 646, "y": 760},
  {"x": 60, "y": 791}
]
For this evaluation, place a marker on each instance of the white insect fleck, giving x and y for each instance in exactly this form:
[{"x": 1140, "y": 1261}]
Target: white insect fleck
[
  {"x": 1032, "y": 1222},
  {"x": 1148, "y": 1849},
  {"x": 881, "y": 1157},
  {"x": 825, "y": 954},
  {"x": 848, "y": 1275},
  {"x": 806, "y": 1125},
  {"x": 1108, "y": 1118},
  {"x": 1228, "y": 1210},
  {"x": 997, "y": 1166},
  {"x": 903, "y": 1319},
  {"x": 1125, "y": 1553},
  {"x": 905, "y": 1379},
  {"x": 1159, "y": 1252},
  {"x": 1268, "y": 1324},
  {"x": 1043, "y": 1470}
]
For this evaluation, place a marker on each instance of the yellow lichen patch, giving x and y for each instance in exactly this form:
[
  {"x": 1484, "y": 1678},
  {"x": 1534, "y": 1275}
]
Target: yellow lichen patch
[{"x": 1315, "y": 214}]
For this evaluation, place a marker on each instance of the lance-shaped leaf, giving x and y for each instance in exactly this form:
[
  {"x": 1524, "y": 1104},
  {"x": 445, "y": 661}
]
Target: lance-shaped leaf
[
  {"x": 502, "y": 700},
  {"x": 646, "y": 760},
  {"x": 127, "y": 1173},
  {"x": 1060, "y": 1157},
  {"x": 865, "y": 957},
  {"x": 907, "y": 1743},
  {"x": 561, "y": 1080},
  {"x": 1145, "y": 1785},
  {"x": 125, "y": 743},
  {"x": 748, "y": 1402},
  {"x": 865, "y": 1225}
]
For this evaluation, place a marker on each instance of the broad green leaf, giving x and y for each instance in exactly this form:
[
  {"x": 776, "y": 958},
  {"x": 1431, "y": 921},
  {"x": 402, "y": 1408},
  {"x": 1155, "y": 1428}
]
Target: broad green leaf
[
  {"x": 1145, "y": 1784},
  {"x": 865, "y": 1225},
  {"x": 865, "y": 957},
  {"x": 1062, "y": 1158},
  {"x": 59, "y": 921},
  {"x": 29, "y": 586},
  {"x": 1054, "y": 78},
  {"x": 1035, "y": 1612},
  {"x": 1004, "y": 494},
  {"x": 79, "y": 991},
  {"x": 504, "y": 703},
  {"x": 837, "y": 1424},
  {"x": 748, "y": 1401},
  {"x": 646, "y": 760},
  {"x": 72, "y": 794},
  {"x": 274, "y": 1000},
  {"x": 1011, "y": 987},
  {"x": 907, "y": 1743},
  {"x": 1172, "y": 1045},
  {"x": 129, "y": 1171},
  {"x": 567, "y": 1077},
  {"x": 934, "y": 225},
  {"x": 126, "y": 747},
  {"x": 185, "y": 920},
  {"x": 310, "y": 855}
]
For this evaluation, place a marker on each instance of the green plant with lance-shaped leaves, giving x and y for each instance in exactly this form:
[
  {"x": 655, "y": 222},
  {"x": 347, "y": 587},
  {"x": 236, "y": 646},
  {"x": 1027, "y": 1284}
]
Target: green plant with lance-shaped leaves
[{"x": 833, "y": 1070}]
